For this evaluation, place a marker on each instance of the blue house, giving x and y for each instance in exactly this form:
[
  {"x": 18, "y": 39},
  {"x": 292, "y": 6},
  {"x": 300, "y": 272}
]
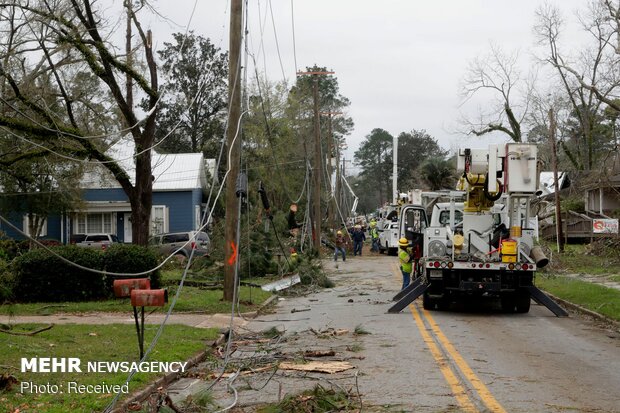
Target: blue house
[{"x": 178, "y": 189}]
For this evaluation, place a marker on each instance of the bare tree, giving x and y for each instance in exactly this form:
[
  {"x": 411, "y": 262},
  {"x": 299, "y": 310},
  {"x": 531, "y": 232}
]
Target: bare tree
[
  {"x": 62, "y": 78},
  {"x": 498, "y": 73},
  {"x": 590, "y": 78}
]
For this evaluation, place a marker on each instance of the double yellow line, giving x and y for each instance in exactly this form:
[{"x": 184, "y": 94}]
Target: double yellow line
[{"x": 451, "y": 364}]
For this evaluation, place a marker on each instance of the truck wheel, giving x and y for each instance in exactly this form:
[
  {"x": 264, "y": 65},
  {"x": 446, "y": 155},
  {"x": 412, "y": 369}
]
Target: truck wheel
[
  {"x": 523, "y": 301},
  {"x": 427, "y": 302},
  {"x": 508, "y": 302}
]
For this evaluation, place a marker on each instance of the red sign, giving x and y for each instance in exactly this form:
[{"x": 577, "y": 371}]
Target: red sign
[{"x": 605, "y": 226}]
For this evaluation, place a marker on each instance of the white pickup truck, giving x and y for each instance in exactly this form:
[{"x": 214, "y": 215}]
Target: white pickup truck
[
  {"x": 98, "y": 241},
  {"x": 388, "y": 237}
]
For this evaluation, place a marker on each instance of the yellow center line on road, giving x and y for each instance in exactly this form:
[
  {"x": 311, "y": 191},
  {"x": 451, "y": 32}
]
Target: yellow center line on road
[
  {"x": 449, "y": 352},
  {"x": 485, "y": 395},
  {"x": 458, "y": 390}
]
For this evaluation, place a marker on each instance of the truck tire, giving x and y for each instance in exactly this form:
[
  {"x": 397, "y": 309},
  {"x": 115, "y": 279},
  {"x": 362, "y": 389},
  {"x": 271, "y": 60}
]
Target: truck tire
[
  {"x": 508, "y": 302},
  {"x": 523, "y": 301},
  {"x": 427, "y": 302}
]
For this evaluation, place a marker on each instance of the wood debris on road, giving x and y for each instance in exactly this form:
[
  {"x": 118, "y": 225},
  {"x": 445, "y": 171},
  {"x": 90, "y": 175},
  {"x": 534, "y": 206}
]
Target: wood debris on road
[{"x": 329, "y": 367}]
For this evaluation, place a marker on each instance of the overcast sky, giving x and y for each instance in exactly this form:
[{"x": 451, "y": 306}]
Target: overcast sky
[{"x": 399, "y": 62}]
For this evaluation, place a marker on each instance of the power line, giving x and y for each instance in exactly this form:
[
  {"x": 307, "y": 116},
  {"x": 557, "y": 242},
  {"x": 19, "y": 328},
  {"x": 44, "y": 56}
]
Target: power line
[
  {"x": 293, "y": 27},
  {"x": 275, "y": 34}
]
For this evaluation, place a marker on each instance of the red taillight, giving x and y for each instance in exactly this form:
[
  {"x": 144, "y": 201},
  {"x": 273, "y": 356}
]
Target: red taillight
[
  {"x": 193, "y": 245},
  {"x": 436, "y": 264},
  {"x": 525, "y": 266},
  {"x": 103, "y": 246},
  {"x": 488, "y": 265}
]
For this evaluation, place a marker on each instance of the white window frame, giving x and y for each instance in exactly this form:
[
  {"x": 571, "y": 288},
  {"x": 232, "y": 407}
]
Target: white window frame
[
  {"x": 26, "y": 226},
  {"x": 81, "y": 220},
  {"x": 197, "y": 216},
  {"x": 163, "y": 226}
]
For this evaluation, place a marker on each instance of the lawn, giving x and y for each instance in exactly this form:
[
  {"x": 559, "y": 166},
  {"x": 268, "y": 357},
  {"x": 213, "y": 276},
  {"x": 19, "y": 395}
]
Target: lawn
[
  {"x": 580, "y": 259},
  {"x": 192, "y": 299},
  {"x": 595, "y": 297},
  {"x": 106, "y": 343}
]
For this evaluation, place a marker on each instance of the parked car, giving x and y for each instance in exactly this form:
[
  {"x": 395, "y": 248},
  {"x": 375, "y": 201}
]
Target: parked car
[
  {"x": 100, "y": 241},
  {"x": 76, "y": 238},
  {"x": 182, "y": 243}
]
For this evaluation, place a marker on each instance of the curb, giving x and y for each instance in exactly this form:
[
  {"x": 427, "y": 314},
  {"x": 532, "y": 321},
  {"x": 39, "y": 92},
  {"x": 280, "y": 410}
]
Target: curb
[
  {"x": 579, "y": 309},
  {"x": 141, "y": 395}
]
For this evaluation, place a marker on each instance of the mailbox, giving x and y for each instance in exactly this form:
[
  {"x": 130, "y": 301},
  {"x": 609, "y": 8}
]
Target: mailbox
[
  {"x": 149, "y": 298},
  {"x": 123, "y": 288}
]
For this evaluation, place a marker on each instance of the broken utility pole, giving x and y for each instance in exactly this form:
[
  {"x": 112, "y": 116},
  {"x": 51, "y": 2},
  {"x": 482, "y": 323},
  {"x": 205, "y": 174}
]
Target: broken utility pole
[
  {"x": 333, "y": 205},
  {"x": 316, "y": 170}
]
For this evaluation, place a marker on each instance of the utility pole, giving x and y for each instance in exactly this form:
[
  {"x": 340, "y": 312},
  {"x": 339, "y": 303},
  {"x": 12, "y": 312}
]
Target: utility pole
[
  {"x": 233, "y": 139},
  {"x": 316, "y": 170},
  {"x": 331, "y": 207},
  {"x": 554, "y": 159},
  {"x": 395, "y": 194}
]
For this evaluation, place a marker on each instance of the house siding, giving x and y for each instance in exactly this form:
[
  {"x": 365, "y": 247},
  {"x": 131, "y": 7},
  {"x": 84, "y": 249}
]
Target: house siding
[
  {"x": 181, "y": 212},
  {"x": 102, "y": 195},
  {"x": 181, "y": 209}
]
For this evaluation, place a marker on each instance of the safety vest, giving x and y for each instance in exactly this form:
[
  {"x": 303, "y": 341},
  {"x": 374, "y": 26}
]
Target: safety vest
[
  {"x": 405, "y": 261},
  {"x": 374, "y": 233}
]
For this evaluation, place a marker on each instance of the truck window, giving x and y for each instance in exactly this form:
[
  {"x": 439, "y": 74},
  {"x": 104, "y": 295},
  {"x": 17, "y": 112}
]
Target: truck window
[
  {"x": 444, "y": 217},
  {"x": 415, "y": 221}
]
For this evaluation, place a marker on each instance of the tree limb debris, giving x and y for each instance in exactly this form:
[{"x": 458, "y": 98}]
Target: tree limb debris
[{"x": 29, "y": 333}]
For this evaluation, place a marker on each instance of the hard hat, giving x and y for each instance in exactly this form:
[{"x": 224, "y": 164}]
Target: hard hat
[
  {"x": 373, "y": 224},
  {"x": 358, "y": 226},
  {"x": 339, "y": 232},
  {"x": 403, "y": 242}
]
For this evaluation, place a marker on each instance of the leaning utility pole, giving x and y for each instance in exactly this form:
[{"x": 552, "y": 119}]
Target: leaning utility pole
[
  {"x": 233, "y": 139},
  {"x": 316, "y": 170},
  {"x": 333, "y": 205},
  {"x": 554, "y": 159}
]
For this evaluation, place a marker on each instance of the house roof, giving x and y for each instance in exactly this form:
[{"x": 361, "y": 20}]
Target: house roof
[{"x": 172, "y": 172}]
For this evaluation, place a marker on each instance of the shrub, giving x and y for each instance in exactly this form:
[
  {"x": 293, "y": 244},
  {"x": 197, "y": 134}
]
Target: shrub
[
  {"x": 6, "y": 282},
  {"x": 573, "y": 204},
  {"x": 9, "y": 249},
  {"x": 42, "y": 276},
  {"x": 130, "y": 259}
]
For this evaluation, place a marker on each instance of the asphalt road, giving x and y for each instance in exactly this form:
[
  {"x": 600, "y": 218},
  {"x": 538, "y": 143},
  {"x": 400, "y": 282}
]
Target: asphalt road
[{"x": 472, "y": 358}]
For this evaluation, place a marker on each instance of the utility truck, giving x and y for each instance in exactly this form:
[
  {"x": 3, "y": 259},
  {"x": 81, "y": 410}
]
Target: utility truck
[
  {"x": 491, "y": 252},
  {"x": 388, "y": 228}
]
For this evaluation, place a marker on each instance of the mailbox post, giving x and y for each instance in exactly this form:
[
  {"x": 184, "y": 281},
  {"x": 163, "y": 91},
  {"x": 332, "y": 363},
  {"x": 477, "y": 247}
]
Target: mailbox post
[{"x": 139, "y": 290}]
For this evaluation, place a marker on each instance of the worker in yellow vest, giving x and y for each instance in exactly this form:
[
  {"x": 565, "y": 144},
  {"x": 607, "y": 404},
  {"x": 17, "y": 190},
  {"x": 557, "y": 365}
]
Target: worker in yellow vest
[{"x": 406, "y": 261}]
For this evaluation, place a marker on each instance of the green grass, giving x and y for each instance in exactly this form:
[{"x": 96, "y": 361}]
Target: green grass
[
  {"x": 89, "y": 343},
  {"x": 577, "y": 258},
  {"x": 192, "y": 299},
  {"x": 598, "y": 298}
]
